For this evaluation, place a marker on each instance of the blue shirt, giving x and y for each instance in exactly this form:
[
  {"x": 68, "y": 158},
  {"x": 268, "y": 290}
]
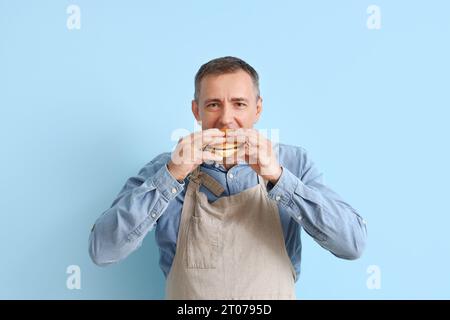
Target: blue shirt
[{"x": 153, "y": 199}]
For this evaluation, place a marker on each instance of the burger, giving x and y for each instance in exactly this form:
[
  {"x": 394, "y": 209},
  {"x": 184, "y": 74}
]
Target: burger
[{"x": 226, "y": 149}]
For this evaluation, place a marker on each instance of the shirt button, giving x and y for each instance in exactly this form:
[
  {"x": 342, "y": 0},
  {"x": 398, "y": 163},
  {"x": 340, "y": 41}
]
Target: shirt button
[
  {"x": 231, "y": 176},
  {"x": 277, "y": 198},
  {"x": 216, "y": 165},
  {"x": 153, "y": 215},
  {"x": 299, "y": 218},
  {"x": 174, "y": 190}
]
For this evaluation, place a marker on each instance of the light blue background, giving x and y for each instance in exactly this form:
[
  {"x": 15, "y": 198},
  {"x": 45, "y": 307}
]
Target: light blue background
[{"x": 83, "y": 110}]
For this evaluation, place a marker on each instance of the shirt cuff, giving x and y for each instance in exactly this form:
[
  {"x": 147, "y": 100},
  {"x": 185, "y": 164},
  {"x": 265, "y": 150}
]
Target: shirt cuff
[
  {"x": 166, "y": 184},
  {"x": 283, "y": 191}
]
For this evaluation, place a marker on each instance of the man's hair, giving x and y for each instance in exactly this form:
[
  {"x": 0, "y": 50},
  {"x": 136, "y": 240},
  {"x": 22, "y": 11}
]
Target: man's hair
[{"x": 222, "y": 66}]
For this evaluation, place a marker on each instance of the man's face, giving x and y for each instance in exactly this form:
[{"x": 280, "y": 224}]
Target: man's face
[{"x": 227, "y": 101}]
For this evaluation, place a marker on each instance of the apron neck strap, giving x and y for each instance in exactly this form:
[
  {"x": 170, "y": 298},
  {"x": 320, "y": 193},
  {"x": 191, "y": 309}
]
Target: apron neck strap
[
  {"x": 262, "y": 182},
  {"x": 194, "y": 176},
  {"x": 202, "y": 178}
]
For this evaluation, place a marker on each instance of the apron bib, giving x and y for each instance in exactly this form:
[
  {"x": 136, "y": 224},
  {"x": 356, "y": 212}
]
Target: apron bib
[{"x": 232, "y": 248}]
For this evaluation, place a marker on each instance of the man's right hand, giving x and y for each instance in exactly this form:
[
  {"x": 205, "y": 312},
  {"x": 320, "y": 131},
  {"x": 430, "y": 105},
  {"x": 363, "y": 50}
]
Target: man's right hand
[{"x": 189, "y": 152}]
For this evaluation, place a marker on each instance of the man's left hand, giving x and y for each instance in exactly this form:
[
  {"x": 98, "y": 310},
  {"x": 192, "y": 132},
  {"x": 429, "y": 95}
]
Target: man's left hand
[{"x": 257, "y": 152}]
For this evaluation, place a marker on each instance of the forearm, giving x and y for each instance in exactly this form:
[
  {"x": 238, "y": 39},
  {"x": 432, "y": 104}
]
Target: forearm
[
  {"x": 121, "y": 229},
  {"x": 333, "y": 223}
]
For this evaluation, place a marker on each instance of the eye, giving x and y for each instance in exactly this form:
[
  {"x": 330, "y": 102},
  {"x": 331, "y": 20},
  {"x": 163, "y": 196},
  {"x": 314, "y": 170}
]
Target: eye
[
  {"x": 240, "y": 105},
  {"x": 212, "y": 105}
]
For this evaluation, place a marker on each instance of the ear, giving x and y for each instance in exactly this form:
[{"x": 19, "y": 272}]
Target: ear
[
  {"x": 259, "y": 108},
  {"x": 195, "y": 110}
]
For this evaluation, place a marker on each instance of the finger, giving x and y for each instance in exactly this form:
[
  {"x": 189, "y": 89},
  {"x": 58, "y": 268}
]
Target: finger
[
  {"x": 236, "y": 139},
  {"x": 251, "y": 136},
  {"x": 255, "y": 139},
  {"x": 259, "y": 140},
  {"x": 209, "y": 132},
  {"x": 204, "y": 139},
  {"x": 235, "y": 132},
  {"x": 251, "y": 154},
  {"x": 213, "y": 132},
  {"x": 247, "y": 139},
  {"x": 239, "y": 131},
  {"x": 215, "y": 142}
]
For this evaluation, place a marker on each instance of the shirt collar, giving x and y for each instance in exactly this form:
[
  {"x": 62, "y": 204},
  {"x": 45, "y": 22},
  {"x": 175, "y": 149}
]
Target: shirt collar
[{"x": 218, "y": 166}]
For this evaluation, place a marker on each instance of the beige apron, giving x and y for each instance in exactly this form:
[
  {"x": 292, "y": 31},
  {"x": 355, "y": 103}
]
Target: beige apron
[{"x": 232, "y": 248}]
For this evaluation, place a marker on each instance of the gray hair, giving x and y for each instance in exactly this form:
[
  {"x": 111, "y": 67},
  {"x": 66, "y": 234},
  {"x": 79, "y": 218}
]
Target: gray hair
[{"x": 225, "y": 65}]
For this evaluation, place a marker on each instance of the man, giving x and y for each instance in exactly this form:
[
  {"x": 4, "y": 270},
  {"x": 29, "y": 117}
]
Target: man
[{"x": 228, "y": 225}]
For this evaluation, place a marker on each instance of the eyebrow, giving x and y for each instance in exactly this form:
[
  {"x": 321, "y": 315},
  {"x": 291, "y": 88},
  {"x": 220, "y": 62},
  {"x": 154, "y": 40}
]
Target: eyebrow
[
  {"x": 234, "y": 99},
  {"x": 239, "y": 99}
]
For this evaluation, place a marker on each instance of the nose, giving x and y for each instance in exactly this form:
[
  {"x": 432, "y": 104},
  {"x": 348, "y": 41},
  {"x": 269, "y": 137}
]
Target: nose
[{"x": 227, "y": 116}]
